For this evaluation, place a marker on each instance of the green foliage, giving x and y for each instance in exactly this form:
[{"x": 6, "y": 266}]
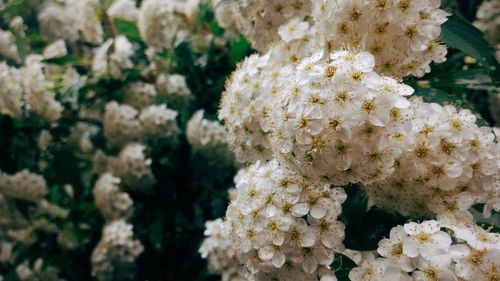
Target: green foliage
[
  {"x": 458, "y": 33},
  {"x": 127, "y": 28}
]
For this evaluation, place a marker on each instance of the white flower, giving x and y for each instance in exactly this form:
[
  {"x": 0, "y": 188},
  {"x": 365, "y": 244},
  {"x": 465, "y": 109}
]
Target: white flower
[
  {"x": 428, "y": 240},
  {"x": 393, "y": 248},
  {"x": 294, "y": 29}
]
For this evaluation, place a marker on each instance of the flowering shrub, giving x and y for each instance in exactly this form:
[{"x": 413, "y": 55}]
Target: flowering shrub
[{"x": 249, "y": 140}]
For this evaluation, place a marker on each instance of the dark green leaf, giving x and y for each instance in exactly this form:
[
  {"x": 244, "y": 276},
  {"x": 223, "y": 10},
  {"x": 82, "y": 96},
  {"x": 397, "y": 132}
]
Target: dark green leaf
[
  {"x": 22, "y": 49},
  {"x": 458, "y": 33},
  {"x": 127, "y": 28},
  {"x": 476, "y": 79},
  {"x": 65, "y": 60},
  {"x": 239, "y": 50},
  {"x": 156, "y": 235}
]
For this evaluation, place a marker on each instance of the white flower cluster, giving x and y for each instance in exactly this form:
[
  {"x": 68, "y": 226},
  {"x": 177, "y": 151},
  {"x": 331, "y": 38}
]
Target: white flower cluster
[
  {"x": 448, "y": 164},
  {"x": 279, "y": 220},
  {"x": 132, "y": 167},
  {"x": 334, "y": 119},
  {"x": 37, "y": 89},
  {"x": 8, "y": 46},
  {"x": 173, "y": 88},
  {"x": 244, "y": 106},
  {"x": 113, "y": 57},
  {"x": 158, "y": 23},
  {"x": 38, "y": 272},
  {"x": 433, "y": 250},
  {"x": 23, "y": 185},
  {"x": 58, "y": 21},
  {"x": 123, "y": 124},
  {"x": 88, "y": 21},
  {"x": 116, "y": 253},
  {"x": 221, "y": 257},
  {"x": 325, "y": 116},
  {"x": 111, "y": 201},
  {"x": 208, "y": 137},
  {"x": 139, "y": 94},
  {"x": 158, "y": 121},
  {"x": 401, "y": 34},
  {"x": 11, "y": 98},
  {"x": 259, "y": 20}
]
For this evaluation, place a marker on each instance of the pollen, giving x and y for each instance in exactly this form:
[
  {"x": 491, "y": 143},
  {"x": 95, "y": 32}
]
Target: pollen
[
  {"x": 447, "y": 147},
  {"x": 335, "y": 123},
  {"x": 423, "y": 237},
  {"x": 370, "y": 131},
  {"x": 395, "y": 114},
  {"x": 355, "y": 14},
  {"x": 369, "y": 106},
  {"x": 303, "y": 122},
  {"x": 341, "y": 97},
  {"x": 421, "y": 151},
  {"x": 272, "y": 226},
  {"x": 356, "y": 75},
  {"x": 457, "y": 125},
  {"x": 330, "y": 71},
  {"x": 343, "y": 28},
  {"x": 315, "y": 99},
  {"x": 381, "y": 4},
  {"x": 411, "y": 32},
  {"x": 381, "y": 28},
  {"x": 341, "y": 147},
  {"x": 397, "y": 250},
  {"x": 404, "y": 5},
  {"x": 431, "y": 274}
]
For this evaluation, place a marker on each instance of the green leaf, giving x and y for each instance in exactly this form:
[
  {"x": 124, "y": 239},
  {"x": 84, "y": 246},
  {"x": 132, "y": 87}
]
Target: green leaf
[
  {"x": 13, "y": 8},
  {"x": 127, "y": 28},
  {"x": 476, "y": 79},
  {"x": 458, "y": 33},
  {"x": 65, "y": 60},
  {"x": 20, "y": 44},
  {"x": 156, "y": 235},
  {"x": 239, "y": 50}
]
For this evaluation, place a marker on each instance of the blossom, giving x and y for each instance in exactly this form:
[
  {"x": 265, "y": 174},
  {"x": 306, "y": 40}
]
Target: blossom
[
  {"x": 116, "y": 252},
  {"x": 266, "y": 228},
  {"x": 23, "y": 185}
]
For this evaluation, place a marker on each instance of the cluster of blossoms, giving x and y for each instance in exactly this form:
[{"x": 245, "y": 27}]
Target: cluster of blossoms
[
  {"x": 401, "y": 34},
  {"x": 279, "y": 220},
  {"x": 221, "y": 257},
  {"x": 208, "y": 137},
  {"x": 448, "y": 164},
  {"x": 37, "y": 272},
  {"x": 124, "y": 124},
  {"x": 30, "y": 87},
  {"x": 114, "y": 256},
  {"x": 433, "y": 250},
  {"x": 259, "y": 20},
  {"x": 312, "y": 114},
  {"x": 23, "y": 185}
]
